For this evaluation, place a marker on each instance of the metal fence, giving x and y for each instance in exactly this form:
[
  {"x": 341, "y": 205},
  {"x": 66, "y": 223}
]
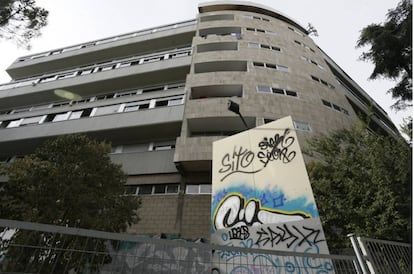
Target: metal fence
[
  {"x": 39, "y": 248},
  {"x": 385, "y": 257}
]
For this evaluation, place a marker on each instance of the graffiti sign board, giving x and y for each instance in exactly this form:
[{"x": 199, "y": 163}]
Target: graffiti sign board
[{"x": 261, "y": 192}]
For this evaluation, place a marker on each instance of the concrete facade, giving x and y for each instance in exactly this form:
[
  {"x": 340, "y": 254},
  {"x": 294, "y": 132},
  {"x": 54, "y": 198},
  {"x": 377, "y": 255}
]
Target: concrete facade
[{"x": 160, "y": 97}]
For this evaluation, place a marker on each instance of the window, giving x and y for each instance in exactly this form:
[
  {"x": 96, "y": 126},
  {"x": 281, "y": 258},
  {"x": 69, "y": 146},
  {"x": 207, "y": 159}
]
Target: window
[
  {"x": 335, "y": 107},
  {"x": 151, "y": 189},
  {"x": 198, "y": 189},
  {"x": 130, "y": 190},
  {"x": 253, "y": 45},
  {"x": 264, "y": 89},
  {"x": 31, "y": 120},
  {"x": 175, "y": 101},
  {"x": 282, "y": 68},
  {"x": 106, "y": 110},
  {"x": 271, "y": 66},
  {"x": 61, "y": 117},
  {"x": 75, "y": 115},
  {"x": 67, "y": 75},
  {"x": 205, "y": 189},
  {"x": 302, "y": 125},
  {"x": 278, "y": 90},
  {"x": 323, "y": 82},
  {"x": 159, "y": 189},
  {"x": 165, "y": 145},
  {"x": 14, "y": 123},
  {"x": 136, "y": 106},
  {"x": 291, "y": 93},
  {"x": 268, "y": 89},
  {"x": 145, "y": 189},
  {"x": 172, "y": 188},
  {"x": 326, "y": 103}
]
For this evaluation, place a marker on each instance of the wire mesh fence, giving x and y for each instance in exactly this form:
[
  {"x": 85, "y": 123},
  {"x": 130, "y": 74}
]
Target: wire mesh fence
[{"x": 38, "y": 248}]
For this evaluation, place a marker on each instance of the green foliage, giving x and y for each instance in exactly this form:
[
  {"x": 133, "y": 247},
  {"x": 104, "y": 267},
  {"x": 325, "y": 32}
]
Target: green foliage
[
  {"x": 391, "y": 51},
  {"x": 362, "y": 185},
  {"x": 21, "y": 20},
  {"x": 69, "y": 181},
  {"x": 407, "y": 128}
]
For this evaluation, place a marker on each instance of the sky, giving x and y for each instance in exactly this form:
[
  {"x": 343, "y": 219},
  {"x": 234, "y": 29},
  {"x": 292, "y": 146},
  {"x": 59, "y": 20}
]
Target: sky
[{"x": 338, "y": 24}]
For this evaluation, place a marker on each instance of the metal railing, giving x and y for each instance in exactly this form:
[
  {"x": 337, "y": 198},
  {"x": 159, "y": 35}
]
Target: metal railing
[
  {"x": 38, "y": 248},
  {"x": 107, "y": 40},
  {"x": 380, "y": 256}
]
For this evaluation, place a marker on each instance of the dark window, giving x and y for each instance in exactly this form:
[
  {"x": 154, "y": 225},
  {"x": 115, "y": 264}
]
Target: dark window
[
  {"x": 272, "y": 66},
  {"x": 145, "y": 189},
  {"x": 326, "y": 103},
  {"x": 130, "y": 190},
  {"x": 159, "y": 189},
  {"x": 278, "y": 90},
  {"x": 291, "y": 93},
  {"x": 336, "y": 107}
]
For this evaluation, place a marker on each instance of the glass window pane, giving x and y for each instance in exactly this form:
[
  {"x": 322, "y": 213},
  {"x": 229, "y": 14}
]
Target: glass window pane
[
  {"x": 172, "y": 188},
  {"x": 253, "y": 45},
  {"x": 75, "y": 115},
  {"x": 107, "y": 110},
  {"x": 205, "y": 189},
  {"x": 278, "y": 90},
  {"x": 192, "y": 189},
  {"x": 263, "y": 89},
  {"x": 282, "y": 68},
  {"x": 14, "y": 123},
  {"x": 31, "y": 120},
  {"x": 130, "y": 190},
  {"x": 291, "y": 93},
  {"x": 61, "y": 117},
  {"x": 145, "y": 189},
  {"x": 159, "y": 189}
]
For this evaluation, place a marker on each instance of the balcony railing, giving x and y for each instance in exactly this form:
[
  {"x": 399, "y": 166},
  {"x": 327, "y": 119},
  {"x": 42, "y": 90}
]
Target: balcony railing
[
  {"x": 106, "y": 40},
  {"x": 99, "y": 67}
]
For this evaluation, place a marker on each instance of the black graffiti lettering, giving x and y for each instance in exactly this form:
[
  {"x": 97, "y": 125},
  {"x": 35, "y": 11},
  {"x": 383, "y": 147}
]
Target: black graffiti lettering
[
  {"x": 275, "y": 237},
  {"x": 276, "y": 148},
  {"x": 284, "y": 235},
  {"x": 306, "y": 237},
  {"x": 226, "y": 166},
  {"x": 240, "y": 160},
  {"x": 239, "y": 233}
]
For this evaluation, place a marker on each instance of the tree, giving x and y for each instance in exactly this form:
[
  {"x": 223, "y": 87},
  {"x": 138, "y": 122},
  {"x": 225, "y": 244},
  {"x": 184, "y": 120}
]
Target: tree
[
  {"x": 21, "y": 20},
  {"x": 391, "y": 51},
  {"x": 69, "y": 181},
  {"x": 407, "y": 128},
  {"x": 362, "y": 185}
]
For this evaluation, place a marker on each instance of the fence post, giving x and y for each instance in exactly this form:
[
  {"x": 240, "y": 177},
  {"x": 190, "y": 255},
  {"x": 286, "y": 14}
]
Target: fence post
[{"x": 358, "y": 254}]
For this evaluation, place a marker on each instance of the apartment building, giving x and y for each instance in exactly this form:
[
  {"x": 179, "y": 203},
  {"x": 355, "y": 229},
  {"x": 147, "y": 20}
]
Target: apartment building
[{"x": 160, "y": 97}]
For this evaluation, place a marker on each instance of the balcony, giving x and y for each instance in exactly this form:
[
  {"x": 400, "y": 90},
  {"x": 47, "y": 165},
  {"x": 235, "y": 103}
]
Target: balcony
[
  {"x": 171, "y": 66},
  {"x": 137, "y": 125},
  {"x": 135, "y": 43}
]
